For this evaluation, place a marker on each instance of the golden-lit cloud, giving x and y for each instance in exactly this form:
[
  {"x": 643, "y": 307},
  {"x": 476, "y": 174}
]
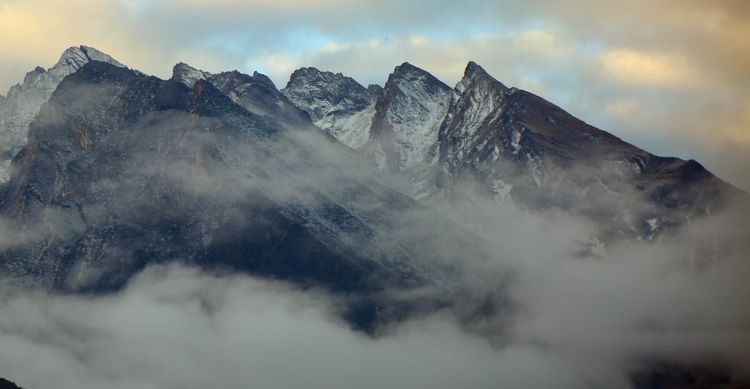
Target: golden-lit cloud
[
  {"x": 648, "y": 69},
  {"x": 262, "y": 4}
]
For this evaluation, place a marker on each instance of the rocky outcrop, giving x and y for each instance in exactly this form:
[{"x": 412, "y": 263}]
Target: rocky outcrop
[{"x": 24, "y": 100}]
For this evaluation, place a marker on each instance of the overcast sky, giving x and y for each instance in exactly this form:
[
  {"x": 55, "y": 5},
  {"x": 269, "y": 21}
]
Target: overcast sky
[{"x": 669, "y": 76}]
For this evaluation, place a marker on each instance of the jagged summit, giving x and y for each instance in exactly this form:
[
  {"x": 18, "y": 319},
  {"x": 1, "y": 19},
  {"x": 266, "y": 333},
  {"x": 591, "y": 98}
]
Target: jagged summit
[
  {"x": 473, "y": 68},
  {"x": 77, "y": 56},
  {"x": 475, "y": 73},
  {"x": 34, "y": 75},
  {"x": 406, "y": 67},
  {"x": 511, "y": 142},
  {"x": 337, "y": 104},
  {"x": 24, "y": 99},
  {"x": 335, "y": 92},
  {"x": 410, "y": 71},
  {"x": 256, "y": 93},
  {"x": 193, "y": 177},
  {"x": 404, "y": 131},
  {"x": 263, "y": 79},
  {"x": 187, "y": 74},
  {"x": 313, "y": 72}
]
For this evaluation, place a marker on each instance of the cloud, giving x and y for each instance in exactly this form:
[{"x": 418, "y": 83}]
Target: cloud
[
  {"x": 174, "y": 327},
  {"x": 647, "y": 70},
  {"x": 576, "y": 323}
]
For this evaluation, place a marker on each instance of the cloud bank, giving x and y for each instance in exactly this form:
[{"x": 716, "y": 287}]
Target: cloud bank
[{"x": 576, "y": 321}]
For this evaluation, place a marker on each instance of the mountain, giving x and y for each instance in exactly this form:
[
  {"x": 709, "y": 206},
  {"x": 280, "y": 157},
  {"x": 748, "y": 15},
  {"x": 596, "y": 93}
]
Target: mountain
[
  {"x": 23, "y": 100},
  {"x": 337, "y": 104},
  {"x": 5, "y": 384},
  {"x": 511, "y": 141},
  {"x": 226, "y": 173},
  {"x": 395, "y": 126},
  {"x": 404, "y": 130},
  {"x": 255, "y": 93},
  {"x": 508, "y": 144},
  {"x": 123, "y": 170}
]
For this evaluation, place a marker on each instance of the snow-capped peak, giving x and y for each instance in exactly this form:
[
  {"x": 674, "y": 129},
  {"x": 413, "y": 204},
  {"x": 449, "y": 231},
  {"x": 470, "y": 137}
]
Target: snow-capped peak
[
  {"x": 336, "y": 103},
  {"x": 24, "y": 100},
  {"x": 321, "y": 92},
  {"x": 261, "y": 78},
  {"x": 475, "y": 73},
  {"x": 406, "y": 122},
  {"x": 75, "y": 57},
  {"x": 187, "y": 74}
]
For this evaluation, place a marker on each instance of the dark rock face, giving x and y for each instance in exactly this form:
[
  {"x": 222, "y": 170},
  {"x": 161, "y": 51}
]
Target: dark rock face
[
  {"x": 256, "y": 93},
  {"x": 505, "y": 143},
  {"x": 512, "y": 141},
  {"x": 5, "y": 384},
  {"x": 123, "y": 170},
  {"x": 325, "y": 93},
  {"x": 24, "y": 100},
  {"x": 407, "y": 118}
]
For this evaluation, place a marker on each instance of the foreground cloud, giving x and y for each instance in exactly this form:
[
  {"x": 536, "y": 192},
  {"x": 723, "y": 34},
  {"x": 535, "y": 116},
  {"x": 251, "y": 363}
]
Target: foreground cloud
[
  {"x": 575, "y": 321},
  {"x": 175, "y": 328}
]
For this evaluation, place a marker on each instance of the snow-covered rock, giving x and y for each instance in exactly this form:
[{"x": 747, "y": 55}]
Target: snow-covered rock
[
  {"x": 187, "y": 74},
  {"x": 404, "y": 134},
  {"x": 24, "y": 100},
  {"x": 256, "y": 93},
  {"x": 336, "y": 103}
]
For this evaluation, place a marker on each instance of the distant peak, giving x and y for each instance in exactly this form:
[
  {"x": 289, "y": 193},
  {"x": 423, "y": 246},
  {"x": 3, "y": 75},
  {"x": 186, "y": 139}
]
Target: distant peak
[
  {"x": 306, "y": 70},
  {"x": 187, "y": 74},
  {"x": 34, "y": 75},
  {"x": 473, "y": 73},
  {"x": 374, "y": 89},
  {"x": 77, "y": 56},
  {"x": 263, "y": 79},
  {"x": 408, "y": 68},
  {"x": 406, "y": 74},
  {"x": 315, "y": 73},
  {"x": 306, "y": 74},
  {"x": 182, "y": 66},
  {"x": 473, "y": 69}
]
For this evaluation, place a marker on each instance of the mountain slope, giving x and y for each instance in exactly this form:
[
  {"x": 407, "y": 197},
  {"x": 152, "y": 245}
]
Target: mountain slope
[
  {"x": 24, "y": 100},
  {"x": 507, "y": 144},
  {"x": 404, "y": 131},
  {"x": 510, "y": 141},
  {"x": 123, "y": 170},
  {"x": 337, "y": 104},
  {"x": 255, "y": 93},
  {"x": 5, "y": 384}
]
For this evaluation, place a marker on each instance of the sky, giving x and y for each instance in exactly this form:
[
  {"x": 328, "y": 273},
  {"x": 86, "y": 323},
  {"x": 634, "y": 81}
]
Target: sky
[{"x": 671, "y": 77}]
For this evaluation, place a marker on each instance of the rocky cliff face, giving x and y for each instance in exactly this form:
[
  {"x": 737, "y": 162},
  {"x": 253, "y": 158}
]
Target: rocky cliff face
[
  {"x": 5, "y": 384},
  {"x": 510, "y": 145},
  {"x": 404, "y": 132},
  {"x": 256, "y": 93},
  {"x": 123, "y": 170},
  {"x": 24, "y": 100},
  {"x": 337, "y": 104},
  {"x": 227, "y": 173}
]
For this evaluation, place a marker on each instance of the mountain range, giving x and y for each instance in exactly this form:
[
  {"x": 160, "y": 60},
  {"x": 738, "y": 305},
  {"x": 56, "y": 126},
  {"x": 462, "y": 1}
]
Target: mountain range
[{"x": 325, "y": 183}]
